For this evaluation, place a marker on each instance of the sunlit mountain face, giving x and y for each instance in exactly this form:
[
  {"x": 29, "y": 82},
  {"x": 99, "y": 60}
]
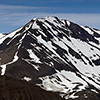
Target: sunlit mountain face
[{"x": 55, "y": 55}]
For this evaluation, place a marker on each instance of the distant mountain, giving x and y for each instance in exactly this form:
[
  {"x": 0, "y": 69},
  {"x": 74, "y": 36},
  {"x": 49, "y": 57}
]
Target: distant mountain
[{"x": 56, "y": 55}]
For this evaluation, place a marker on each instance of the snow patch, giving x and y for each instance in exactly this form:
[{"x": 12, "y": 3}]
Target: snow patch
[
  {"x": 33, "y": 56},
  {"x": 26, "y": 79},
  {"x": 94, "y": 91},
  {"x": 63, "y": 81},
  {"x": 88, "y": 30},
  {"x": 35, "y": 26},
  {"x": 3, "y": 69},
  {"x": 97, "y": 31},
  {"x": 15, "y": 57},
  {"x": 68, "y": 23},
  {"x": 4, "y": 65},
  {"x": 1, "y": 35},
  {"x": 10, "y": 35}
]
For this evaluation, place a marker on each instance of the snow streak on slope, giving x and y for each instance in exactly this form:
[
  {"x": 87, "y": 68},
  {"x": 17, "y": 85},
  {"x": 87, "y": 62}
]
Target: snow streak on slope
[
  {"x": 27, "y": 79},
  {"x": 4, "y": 65},
  {"x": 33, "y": 56},
  {"x": 1, "y": 35},
  {"x": 9, "y": 35}
]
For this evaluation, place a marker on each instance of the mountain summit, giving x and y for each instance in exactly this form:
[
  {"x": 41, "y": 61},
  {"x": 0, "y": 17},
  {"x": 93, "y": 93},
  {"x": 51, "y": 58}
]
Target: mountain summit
[{"x": 55, "y": 54}]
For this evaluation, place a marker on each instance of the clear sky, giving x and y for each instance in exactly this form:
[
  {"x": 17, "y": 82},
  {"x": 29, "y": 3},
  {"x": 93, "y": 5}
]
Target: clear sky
[{"x": 16, "y": 13}]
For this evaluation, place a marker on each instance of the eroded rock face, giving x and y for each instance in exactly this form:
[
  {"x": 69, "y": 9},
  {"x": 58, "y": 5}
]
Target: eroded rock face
[{"x": 55, "y": 54}]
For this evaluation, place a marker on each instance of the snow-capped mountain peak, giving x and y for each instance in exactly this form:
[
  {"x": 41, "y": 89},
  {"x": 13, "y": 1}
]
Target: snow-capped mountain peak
[{"x": 64, "y": 56}]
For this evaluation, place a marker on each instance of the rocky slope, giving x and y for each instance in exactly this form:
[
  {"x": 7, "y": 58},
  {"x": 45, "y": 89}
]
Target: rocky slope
[
  {"x": 56, "y": 55},
  {"x": 12, "y": 89}
]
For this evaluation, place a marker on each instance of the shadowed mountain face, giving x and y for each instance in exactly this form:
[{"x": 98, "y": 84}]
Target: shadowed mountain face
[
  {"x": 12, "y": 89},
  {"x": 56, "y": 55}
]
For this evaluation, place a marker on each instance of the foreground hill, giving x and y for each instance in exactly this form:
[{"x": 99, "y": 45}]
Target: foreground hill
[{"x": 12, "y": 89}]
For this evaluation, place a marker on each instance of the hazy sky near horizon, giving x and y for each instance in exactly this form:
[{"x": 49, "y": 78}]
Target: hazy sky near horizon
[{"x": 16, "y": 13}]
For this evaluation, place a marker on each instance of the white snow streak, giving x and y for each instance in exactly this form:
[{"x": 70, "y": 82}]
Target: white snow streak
[
  {"x": 68, "y": 23},
  {"x": 3, "y": 69},
  {"x": 4, "y": 65},
  {"x": 10, "y": 35},
  {"x": 88, "y": 30},
  {"x": 27, "y": 79},
  {"x": 1, "y": 35},
  {"x": 33, "y": 56}
]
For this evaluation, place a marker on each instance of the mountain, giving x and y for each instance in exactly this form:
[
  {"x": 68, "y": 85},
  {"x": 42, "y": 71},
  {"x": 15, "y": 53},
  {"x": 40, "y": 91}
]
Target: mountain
[{"x": 54, "y": 54}]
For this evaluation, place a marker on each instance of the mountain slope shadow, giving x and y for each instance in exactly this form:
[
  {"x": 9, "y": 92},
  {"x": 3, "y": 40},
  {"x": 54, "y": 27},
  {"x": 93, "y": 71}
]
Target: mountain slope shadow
[{"x": 12, "y": 89}]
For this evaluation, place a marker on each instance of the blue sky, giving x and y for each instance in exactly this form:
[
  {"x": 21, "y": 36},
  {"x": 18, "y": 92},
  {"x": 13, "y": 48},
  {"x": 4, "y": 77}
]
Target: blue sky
[{"x": 16, "y": 13}]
